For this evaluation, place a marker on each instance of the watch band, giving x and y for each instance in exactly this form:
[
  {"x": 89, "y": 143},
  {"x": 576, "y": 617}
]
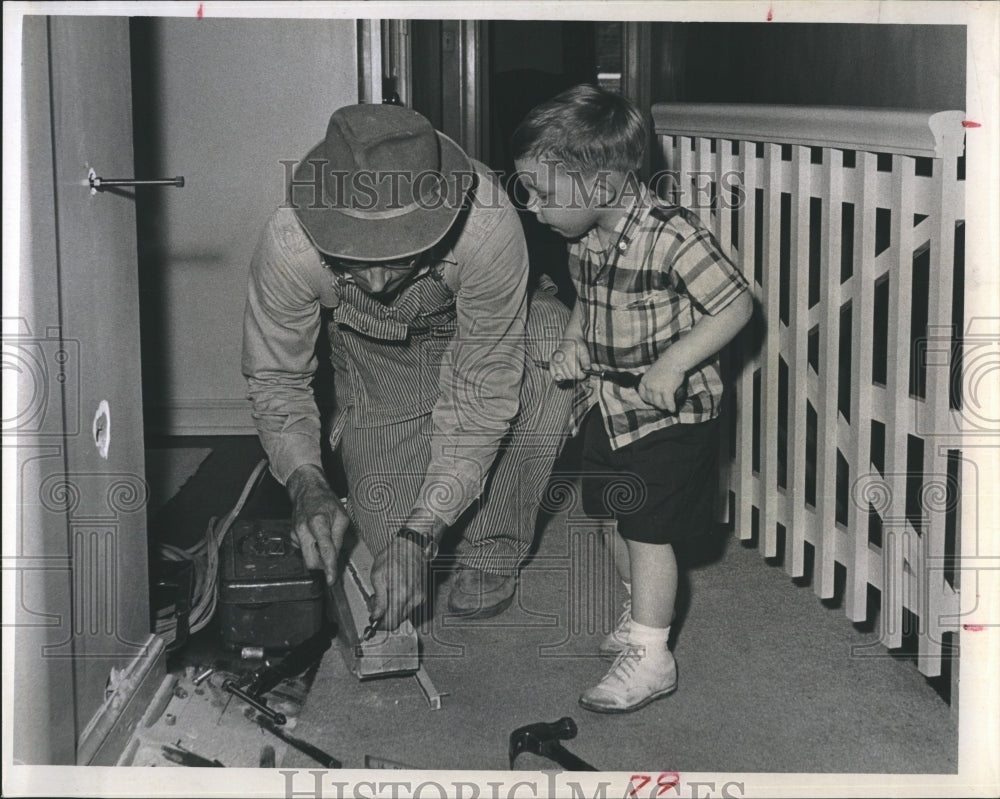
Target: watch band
[{"x": 428, "y": 546}]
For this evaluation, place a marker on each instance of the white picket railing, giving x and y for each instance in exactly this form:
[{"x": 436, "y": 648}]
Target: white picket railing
[{"x": 845, "y": 222}]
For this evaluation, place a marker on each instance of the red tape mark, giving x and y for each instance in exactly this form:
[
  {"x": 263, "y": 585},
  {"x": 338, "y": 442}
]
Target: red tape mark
[
  {"x": 968, "y": 123},
  {"x": 973, "y": 628}
]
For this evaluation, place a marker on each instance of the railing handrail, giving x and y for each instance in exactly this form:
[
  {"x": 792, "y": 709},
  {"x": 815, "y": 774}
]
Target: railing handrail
[{"x": 931, "y": 134}]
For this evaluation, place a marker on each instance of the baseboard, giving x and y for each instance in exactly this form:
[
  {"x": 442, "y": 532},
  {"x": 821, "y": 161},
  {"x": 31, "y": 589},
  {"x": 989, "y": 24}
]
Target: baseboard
[
  {"x": 107, "y": 735},
  {"x": 200, "y": 417}
]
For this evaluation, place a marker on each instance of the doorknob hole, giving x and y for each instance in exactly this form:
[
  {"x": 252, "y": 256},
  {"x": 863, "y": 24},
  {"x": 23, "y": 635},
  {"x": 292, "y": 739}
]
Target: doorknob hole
[{"x": 102, "y": 429}]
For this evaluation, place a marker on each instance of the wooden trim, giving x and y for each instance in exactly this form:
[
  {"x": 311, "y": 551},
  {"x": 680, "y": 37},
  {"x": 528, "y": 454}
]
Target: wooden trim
[
  {"x": 473, "y": 88},
  {"x": 462, "y": 82},
  {"x": 396, "y": 57},
  {"x": 637, "y": 55},
  {"x": 907, "y": 132},
  {"x": 106, "y": 737},
  {"x": 369, "y": 61}
]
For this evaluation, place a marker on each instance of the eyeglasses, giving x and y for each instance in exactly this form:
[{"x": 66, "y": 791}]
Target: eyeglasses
[{"x": 399, "y": 265}]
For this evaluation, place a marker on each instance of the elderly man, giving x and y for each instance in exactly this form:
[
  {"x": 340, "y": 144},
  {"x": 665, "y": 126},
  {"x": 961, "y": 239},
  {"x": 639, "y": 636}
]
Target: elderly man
[{"x": 412, "y": 253}]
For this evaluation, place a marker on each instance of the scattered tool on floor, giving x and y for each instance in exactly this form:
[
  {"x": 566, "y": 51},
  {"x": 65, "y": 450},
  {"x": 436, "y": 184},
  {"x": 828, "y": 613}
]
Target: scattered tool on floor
[
  {"x": 203, "y": 722},
  {"x": 317, "y": 754},
  {"x": 183, "y": 757},
  {"x": 257, "y": 704},
  {"x": 199, "y": 679},
  {"x": 544, "y": 739}
]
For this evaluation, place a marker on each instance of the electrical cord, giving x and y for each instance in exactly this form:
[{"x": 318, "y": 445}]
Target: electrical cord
[{"x": 205, "y": 559}]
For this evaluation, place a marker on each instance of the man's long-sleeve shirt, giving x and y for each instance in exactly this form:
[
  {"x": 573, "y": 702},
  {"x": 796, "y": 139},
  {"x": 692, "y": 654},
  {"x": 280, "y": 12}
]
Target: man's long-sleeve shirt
[{"x": 479, "y": 375}]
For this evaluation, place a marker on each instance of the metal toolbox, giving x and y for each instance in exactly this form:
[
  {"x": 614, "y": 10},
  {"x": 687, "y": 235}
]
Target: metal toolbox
[{"x": 267, "y": 597}]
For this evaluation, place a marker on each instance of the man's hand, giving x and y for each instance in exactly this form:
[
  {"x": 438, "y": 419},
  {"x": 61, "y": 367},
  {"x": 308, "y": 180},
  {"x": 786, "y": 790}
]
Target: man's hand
[
  {"x": 662, "y": 384},
  {"x": 398, "y": 576},
  {"x": 569, "y": 360},
  {"x": 318, "y": 520}
]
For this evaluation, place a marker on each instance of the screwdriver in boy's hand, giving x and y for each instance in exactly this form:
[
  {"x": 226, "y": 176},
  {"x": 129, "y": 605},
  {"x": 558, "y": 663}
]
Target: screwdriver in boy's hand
[{"x": 623, "y": 379}]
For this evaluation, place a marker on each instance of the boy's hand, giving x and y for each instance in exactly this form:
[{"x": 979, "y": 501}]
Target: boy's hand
[
  {"x": 660, "y": 386},
  {"x": 569, "y": 361}
]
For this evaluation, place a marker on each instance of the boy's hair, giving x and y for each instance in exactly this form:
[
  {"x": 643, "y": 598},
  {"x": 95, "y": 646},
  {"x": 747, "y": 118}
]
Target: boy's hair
[{"x": 585, "y": 128}]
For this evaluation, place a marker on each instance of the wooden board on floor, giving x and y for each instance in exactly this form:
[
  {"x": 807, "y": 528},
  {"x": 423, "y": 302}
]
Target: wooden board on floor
[{"x": 387, "y": 653}]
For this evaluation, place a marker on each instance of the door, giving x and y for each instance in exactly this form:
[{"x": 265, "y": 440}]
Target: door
[
  {"x": 229, "y": 104},
  {"x": 81, "y": 564},
  {"x": 443, "y": 72}
]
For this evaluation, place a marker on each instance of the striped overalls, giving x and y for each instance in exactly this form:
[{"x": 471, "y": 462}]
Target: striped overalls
[{"x": 386, "y": 361}]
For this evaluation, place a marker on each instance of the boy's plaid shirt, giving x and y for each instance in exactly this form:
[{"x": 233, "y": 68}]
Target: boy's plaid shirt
[{"x": 663, "y": 272}]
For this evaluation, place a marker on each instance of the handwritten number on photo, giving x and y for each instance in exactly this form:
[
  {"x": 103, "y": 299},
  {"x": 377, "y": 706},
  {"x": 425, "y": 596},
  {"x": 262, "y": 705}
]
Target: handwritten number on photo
[{"x": 666, "y": 781}]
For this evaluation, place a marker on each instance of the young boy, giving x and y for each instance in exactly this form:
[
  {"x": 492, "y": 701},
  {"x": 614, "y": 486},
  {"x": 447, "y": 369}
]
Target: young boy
[{"x": 657, "y": 298}]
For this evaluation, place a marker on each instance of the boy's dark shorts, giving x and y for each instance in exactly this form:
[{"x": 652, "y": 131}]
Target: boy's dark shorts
[{"x": 661, "y": 488}]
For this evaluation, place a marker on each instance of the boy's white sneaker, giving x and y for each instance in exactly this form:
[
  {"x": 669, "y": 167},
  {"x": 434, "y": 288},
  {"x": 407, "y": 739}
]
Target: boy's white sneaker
[
  {"x": 616, "y": 640},
  {"x": 640, "y": 674}
]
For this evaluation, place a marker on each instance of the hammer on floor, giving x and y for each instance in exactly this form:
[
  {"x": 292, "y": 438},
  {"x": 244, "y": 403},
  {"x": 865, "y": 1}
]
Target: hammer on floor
[{"x": 544, "y": 739}]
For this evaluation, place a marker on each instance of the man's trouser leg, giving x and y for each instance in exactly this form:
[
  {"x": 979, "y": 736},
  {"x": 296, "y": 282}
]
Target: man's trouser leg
[
  {"x": 385, "y": 466},
  {"x": 498, "y": 537}
]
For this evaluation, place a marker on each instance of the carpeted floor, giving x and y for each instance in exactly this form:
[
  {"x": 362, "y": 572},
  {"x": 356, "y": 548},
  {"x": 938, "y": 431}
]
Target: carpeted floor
[{"x": 771, "y": 680}]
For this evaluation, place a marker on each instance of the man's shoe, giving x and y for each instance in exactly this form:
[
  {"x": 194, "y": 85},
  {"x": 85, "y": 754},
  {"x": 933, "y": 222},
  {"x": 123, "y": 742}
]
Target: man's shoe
[
  {"x": 481, "y": 595},
  {"x": 639, "y": 675},
  {"x": 616, "y": 640}
]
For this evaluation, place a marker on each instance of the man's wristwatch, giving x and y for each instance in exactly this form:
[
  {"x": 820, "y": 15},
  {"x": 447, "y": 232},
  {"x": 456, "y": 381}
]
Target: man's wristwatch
[{"x": 428, "y": 546}]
